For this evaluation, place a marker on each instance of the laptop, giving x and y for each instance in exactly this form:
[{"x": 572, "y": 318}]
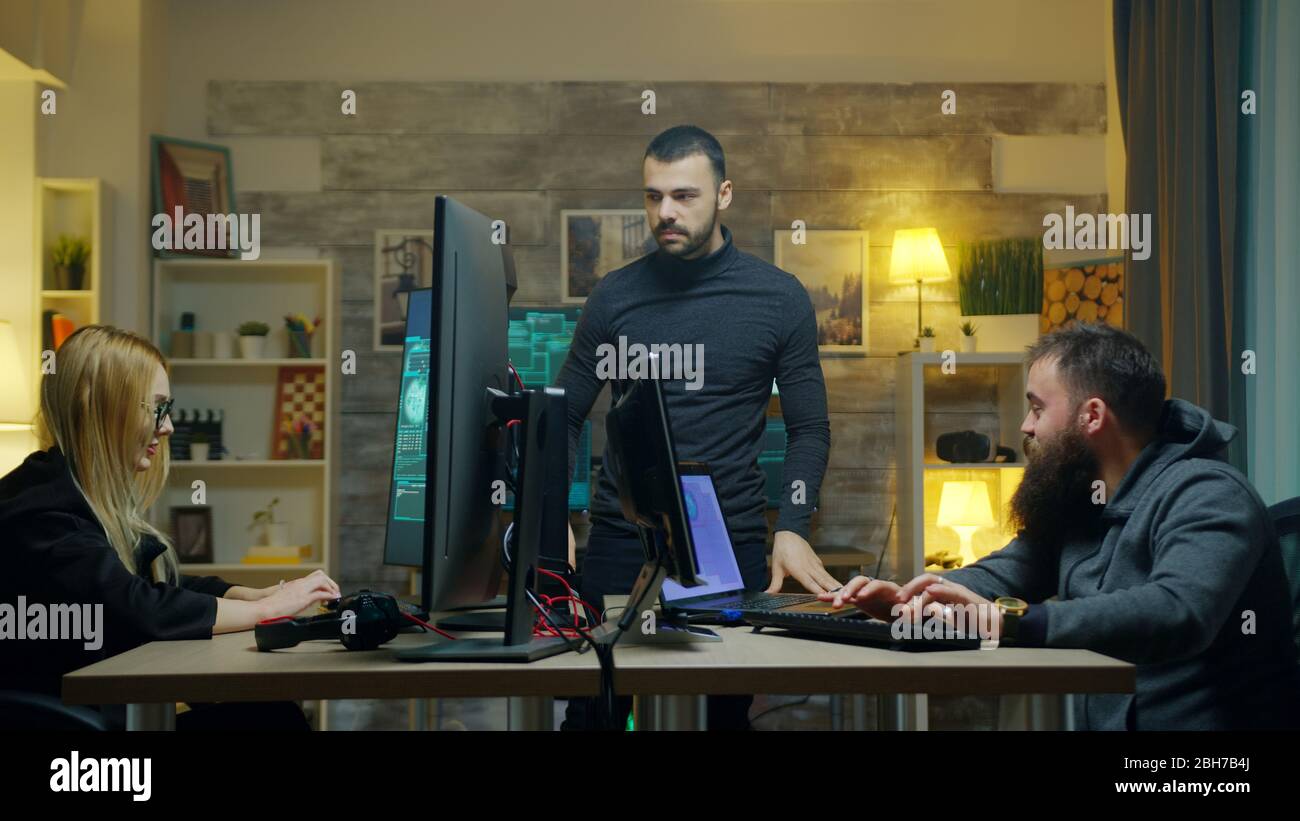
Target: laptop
[{"x": 722, "y": 588}]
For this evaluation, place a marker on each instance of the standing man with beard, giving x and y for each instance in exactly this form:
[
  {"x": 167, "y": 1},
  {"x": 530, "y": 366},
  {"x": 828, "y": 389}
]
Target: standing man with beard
[
  {"x": 749, "y": 323},
  {"x": 1157, "y": 552}
]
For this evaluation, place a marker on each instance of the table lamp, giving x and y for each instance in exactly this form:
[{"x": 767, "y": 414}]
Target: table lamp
[
  {"x": 964, "y": 506},
  {"x": 918, "y": 257},
  {"x": 15, "y": 407}
]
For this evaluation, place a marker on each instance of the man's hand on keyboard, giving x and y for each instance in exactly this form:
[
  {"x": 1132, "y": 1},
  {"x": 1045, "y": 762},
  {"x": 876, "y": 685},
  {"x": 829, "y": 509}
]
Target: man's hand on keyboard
[{"x": 873, "y": 596}]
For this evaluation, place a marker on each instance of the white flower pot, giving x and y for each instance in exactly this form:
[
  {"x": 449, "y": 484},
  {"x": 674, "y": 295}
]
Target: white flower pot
[
  {"x": 250, "y": 347},
  {"x": 277, "y": 534},
  {"x": 199, "y": 451},
  {"x": 967, "y": 344},
  {"x": 927, "y": 344}
]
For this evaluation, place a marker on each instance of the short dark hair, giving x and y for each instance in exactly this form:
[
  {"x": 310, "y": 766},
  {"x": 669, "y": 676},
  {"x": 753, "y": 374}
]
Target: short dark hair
[
  {"x": 1096, "y": 359},
  {"x": 682, "y": 141}
]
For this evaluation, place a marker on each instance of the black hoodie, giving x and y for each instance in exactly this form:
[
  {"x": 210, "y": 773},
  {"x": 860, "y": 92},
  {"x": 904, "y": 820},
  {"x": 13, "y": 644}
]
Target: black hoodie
[{"x": 53, "y": 552}]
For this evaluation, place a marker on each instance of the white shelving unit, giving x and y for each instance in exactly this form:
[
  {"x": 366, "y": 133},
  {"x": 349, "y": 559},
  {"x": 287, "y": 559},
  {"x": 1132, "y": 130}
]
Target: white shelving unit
[
  {"x": 79, "y": 208},
  {"x": 921, "y": 474},
  {"x": 223, "y": 293}
]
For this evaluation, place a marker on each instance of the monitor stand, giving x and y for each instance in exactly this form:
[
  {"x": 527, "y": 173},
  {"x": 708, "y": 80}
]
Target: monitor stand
[{"x": 631, "y": 625}]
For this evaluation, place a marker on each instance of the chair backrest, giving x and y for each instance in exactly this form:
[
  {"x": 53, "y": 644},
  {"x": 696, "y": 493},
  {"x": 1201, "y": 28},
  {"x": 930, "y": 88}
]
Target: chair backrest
[
  {"x": 1286, "y": 521},
  {"x": 36, "y": 711}
]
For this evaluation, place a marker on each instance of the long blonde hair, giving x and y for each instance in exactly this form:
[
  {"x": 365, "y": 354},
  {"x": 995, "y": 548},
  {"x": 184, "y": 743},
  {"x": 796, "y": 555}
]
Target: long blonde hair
[{"x": 93, "y": 408}]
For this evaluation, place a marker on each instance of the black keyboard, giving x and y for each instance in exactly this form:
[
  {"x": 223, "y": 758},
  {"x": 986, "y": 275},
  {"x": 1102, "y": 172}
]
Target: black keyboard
[{"x": 855, "y": 629}]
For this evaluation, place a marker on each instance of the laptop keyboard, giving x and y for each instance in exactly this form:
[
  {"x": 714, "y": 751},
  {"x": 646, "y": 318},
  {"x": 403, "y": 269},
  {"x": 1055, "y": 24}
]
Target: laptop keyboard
[{"x": 768, "y": 601}]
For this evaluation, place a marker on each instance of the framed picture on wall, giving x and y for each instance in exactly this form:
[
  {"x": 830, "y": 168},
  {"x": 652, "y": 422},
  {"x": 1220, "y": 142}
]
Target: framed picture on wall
[
  {"x": 197, "y": 178},
  {"x": 192, "y": 533},
  {"x": 833, "y": 267},
  {"x": 595, "y": 242},
  {"x": 403, "y": 263},
  {"x": 1087, "y": 290}
]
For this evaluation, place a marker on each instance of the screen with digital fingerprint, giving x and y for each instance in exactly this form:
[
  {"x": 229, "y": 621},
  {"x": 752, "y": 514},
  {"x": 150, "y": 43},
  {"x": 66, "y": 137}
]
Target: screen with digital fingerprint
[
  {"x": 411, "y": 449},
  {"x": 719, "y": 572}
]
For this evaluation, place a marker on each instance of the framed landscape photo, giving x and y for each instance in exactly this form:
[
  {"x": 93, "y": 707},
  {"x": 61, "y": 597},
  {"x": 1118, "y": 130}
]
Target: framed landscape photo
[
  {"x": 192, "y": 533},
  {"x": 595, "y": 242},
  {"x": 403, "y": 263},
  {"x": 833, "y": 267}
]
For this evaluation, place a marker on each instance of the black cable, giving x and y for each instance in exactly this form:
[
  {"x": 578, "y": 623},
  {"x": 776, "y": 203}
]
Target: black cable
[
  {"x": 881, "y": 558},
  {"x": 771, "y": 710}
]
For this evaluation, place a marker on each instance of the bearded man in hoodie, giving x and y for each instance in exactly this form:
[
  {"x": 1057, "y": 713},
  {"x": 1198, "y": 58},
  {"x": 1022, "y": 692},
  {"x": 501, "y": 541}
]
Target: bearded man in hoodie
[{"x": 1135, "y": 540}]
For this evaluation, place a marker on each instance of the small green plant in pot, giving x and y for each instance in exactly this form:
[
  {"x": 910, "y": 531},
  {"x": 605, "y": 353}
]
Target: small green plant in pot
[
  {"x": 70, "y": 256},
  {"x": 926, "y": 342},
  {"x": 252, "y": 339},
  {"x": 273, "y": 533},
  {"x": 1001, "y": 282},
  {"x": 968, "y": 341}
]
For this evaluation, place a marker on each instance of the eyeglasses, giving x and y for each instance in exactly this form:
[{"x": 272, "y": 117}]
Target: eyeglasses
[{"x": 160, "y": 411}]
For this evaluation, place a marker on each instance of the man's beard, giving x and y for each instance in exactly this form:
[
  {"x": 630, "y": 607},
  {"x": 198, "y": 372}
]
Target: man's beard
[
  {"x": 1054, "y": 499},
  {"x": 692, "y": 240}
]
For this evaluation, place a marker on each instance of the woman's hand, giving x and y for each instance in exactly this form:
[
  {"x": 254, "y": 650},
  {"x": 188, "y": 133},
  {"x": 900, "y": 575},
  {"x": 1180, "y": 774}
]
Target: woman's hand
[{"x": 293, "y": 597}]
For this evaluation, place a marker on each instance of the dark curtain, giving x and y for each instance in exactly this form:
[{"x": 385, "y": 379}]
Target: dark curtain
[{"x": 1177, "y": 72}]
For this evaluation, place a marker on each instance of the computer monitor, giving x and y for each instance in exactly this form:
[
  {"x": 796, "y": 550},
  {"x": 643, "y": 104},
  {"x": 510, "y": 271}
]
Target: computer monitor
[
  {"x": 643, "y": 461},
  {"x": 449, "y": 447},
  {"x": 450, "y": 455}
]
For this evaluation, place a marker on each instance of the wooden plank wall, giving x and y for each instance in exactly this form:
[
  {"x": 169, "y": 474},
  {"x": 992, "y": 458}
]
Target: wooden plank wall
[{"x": 837, "y": 155}]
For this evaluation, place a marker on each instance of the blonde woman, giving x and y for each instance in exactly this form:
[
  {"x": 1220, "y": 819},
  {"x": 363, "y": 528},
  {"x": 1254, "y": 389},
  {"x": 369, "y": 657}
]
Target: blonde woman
[{"x": 73, "y": 529}]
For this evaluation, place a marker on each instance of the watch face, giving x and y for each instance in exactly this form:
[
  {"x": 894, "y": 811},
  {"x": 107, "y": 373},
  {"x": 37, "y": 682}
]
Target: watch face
[{"x": 1012, "y": 604}]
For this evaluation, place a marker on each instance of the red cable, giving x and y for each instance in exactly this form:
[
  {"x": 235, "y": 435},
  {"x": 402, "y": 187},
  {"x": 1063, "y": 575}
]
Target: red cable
[{"x": 428, "y": 626}]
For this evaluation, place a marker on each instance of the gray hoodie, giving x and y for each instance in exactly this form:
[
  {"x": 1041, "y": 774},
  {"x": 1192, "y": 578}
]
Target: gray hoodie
[{"x": 1183, "y": 557}]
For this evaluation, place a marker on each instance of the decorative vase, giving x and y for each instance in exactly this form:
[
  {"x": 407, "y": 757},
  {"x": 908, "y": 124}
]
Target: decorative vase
[
  {"x": 250, "y": 347},
  {"x": 182, "y": 345},
  {"x": 223, "y": 345},
  {"x": 203, "y": 344},
  {"x": 927, "y": 344},
  {"x": 199, "y": 451},
  {"x": 968, "y": 344}
]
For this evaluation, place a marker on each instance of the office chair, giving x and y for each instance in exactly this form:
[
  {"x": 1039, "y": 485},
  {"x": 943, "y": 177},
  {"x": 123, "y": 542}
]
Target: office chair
[
  {"x": 35, "y": 711},
  {"x": 1286, "y": 521}
]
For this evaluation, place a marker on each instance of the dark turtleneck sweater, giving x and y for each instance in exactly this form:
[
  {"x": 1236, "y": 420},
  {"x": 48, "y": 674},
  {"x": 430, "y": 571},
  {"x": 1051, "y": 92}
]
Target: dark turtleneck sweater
[{"x": 755, "y": 324}]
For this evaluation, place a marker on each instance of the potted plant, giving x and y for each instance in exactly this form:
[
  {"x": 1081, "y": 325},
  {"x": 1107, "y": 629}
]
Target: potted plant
[
  {"x": 252, "y": 339},
  {"x": 968, "y": 329},
  {"x": 927, "y": 340},
  {"x": 69, "y": 256},
  {"x": 273, "y": 533},
  {"x": 199, "y": 446},
  {"x": 1000, "y": 282}
]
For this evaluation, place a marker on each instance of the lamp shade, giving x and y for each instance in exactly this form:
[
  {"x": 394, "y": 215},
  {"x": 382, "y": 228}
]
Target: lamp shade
[
  {"x": 965, "y": 504},
  {"x": 918, "y": 255},
  {"x": 15, "y": 402}
]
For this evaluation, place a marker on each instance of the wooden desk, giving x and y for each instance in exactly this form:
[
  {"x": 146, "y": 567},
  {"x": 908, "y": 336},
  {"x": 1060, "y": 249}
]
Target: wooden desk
[{"x": 150, "y": 679}]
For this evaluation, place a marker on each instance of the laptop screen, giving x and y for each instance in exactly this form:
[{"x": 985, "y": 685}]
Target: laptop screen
[{"x": 718, "y": 572}]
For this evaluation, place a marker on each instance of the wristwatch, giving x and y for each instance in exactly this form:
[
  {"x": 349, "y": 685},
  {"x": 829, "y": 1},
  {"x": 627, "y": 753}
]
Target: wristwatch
[{"x": 1012, "y": 610}]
